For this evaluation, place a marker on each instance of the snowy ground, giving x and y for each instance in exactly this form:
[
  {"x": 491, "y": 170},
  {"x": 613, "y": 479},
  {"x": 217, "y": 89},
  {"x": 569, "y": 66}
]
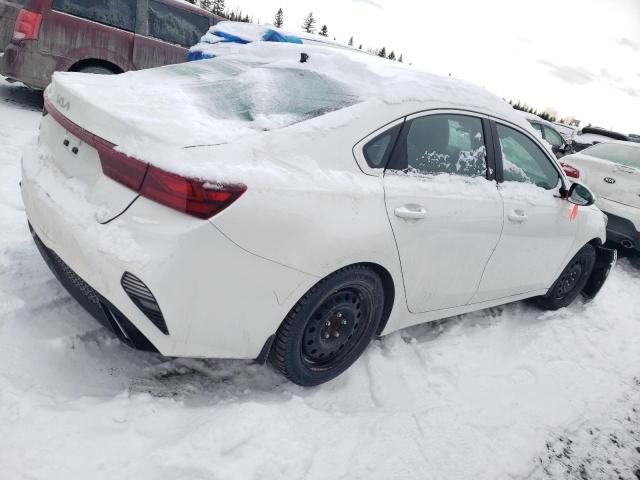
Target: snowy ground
[{"x": 509, "y": 392}]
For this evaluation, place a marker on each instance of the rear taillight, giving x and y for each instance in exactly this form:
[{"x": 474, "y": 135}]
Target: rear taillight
[
  {"x": 570, "y": 170},
  {"x": 27, "y": 25},
  {"x": 199, "y": 198},
  {"x": 194, "y": 197}
]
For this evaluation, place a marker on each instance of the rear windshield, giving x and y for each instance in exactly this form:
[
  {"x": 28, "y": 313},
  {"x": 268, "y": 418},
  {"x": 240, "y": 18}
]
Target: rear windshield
[
  {"x": 617, "y": 153},
  {"x": 271, "y": 97}
]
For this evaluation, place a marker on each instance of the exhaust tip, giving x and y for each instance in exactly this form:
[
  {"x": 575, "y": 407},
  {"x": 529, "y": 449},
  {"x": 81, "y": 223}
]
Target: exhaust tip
[{"x": 628, "y": 244}]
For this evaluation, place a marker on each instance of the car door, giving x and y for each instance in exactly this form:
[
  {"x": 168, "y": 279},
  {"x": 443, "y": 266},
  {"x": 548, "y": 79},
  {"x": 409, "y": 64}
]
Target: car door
[
  {"x": 165, "y": 32},
  {"x": 539, "y": 229},
  {"x": 443, "y": 206}
]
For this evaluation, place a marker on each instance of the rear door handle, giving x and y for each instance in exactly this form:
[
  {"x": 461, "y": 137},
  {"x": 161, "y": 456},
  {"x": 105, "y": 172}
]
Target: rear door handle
[
  {"x": 411, "y": 212},
  {"x": 517, "y": 216}
]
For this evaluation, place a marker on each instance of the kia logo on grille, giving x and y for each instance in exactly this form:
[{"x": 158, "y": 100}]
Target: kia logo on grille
[
  {"x": 63, "y": 103},
  {"x": 610, "y": 180}
]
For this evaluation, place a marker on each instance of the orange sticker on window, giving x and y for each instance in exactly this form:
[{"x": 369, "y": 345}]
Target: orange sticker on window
[{"x": 574, "y": 213}]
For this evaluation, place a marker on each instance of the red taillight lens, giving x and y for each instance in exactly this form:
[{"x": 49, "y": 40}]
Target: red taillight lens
[
  {"x": 123, "y": 169},
  {"x": 27, "y": 25},
  {"x": 194, "y": 197},
  {"x": 570, "y": 170}
]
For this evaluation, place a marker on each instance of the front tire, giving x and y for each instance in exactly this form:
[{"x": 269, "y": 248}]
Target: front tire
[
  {"x": 330, "y": 327},
  {"x": 571, "y": 281},
  {"x": 96, "y": 70}
]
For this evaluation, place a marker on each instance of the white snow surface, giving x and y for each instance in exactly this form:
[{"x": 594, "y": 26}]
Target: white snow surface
[{"x": 480, "y": 396}]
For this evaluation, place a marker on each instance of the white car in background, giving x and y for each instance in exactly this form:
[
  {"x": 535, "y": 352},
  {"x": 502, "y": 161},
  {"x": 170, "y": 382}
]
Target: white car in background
[
  {"x": 612, "y": 171},
  {"x": 256, "y": 207}
]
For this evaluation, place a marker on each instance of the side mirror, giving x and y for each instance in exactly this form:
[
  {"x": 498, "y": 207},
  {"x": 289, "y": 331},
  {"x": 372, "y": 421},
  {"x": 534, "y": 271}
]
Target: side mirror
[{"x": 580, "y": 195}]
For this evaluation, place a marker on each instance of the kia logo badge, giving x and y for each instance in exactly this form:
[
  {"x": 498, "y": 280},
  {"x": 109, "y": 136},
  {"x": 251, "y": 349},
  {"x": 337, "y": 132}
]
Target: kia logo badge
[{"x": 610, "y": 180}]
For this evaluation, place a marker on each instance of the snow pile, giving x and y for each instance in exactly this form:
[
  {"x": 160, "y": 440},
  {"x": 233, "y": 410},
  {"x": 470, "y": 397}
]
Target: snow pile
[{"x": 225, "y": 37}]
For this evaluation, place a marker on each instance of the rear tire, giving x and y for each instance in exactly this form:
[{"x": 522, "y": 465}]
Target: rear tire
[
  {"x": 96, "y": 70},
  {"x": 571, "y": 281},
  {"x": 330, "y": 327}
]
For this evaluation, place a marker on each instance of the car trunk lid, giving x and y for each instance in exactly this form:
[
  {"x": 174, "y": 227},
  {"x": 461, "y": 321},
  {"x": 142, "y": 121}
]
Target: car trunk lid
[{"x": 611, "y": 181}]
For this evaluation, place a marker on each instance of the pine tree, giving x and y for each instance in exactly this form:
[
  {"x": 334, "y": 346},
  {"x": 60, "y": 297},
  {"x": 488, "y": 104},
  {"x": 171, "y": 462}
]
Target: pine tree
[
  {"x": 206, "y": 4},
  {"x": 401, "y": 59},
  {"x": 309, "y": 24},
  {"x": 392, "y": 55},
  {"x": 218, "y": 7},
  {"x": 279, "y": 20},
  {"x": 360, "y": 47},
  {"x": 382, "y": 52},
  {"x": 351, "y": 42},
  {"x": 324, "y": 31}
]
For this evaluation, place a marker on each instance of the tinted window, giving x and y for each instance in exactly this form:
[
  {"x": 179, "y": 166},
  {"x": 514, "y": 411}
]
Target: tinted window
[
  {"x": 523, "y": 161},
  {"x": 616, "y": 152},
  {"x": 115, "y": 13},
  {"x": 176, "y": 25},
  {"x": 377, "y": 151},
  {"x": 553, "y": 137},
  {"x": 537, "y": 127},
  {"x": 451, "y": 144}
]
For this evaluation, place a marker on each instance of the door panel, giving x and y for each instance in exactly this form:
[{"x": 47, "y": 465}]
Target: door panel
[
  {"x": 538, "y": 229},
  {"x": 8, "y": 13},
  {"x": 535, "y": 241},
  {"x": 445, "y": 215},
  {"x": 150, "y": 52}
]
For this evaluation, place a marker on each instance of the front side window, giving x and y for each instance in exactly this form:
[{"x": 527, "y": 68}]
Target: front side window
[
  {"x": 115, "y": 13},
  {"x": 523, "y": 161},
  {"x": 553, "y": 137},
  {"x": 537, "y": 127},
  {"x": 446, "y": 143},
  {"x": 176, "y": 25}
]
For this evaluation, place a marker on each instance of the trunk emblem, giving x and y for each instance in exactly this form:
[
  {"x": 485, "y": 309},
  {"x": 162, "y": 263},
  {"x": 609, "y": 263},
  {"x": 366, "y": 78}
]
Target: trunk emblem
[
  {"x": 610, "y": 180},
  {"x": 63, "y": 103}
]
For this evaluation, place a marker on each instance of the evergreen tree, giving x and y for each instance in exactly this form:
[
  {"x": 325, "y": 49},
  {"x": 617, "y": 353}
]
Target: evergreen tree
[
  {"x": 279, "y": 20},
  {"x": 401, "y": 59},
  {"x": 324, "y": 31},
  {"x": 392, "y": 55},
  {"x": 206, "y": 4},
  {"x": 309, "y": 24},
  {"x": 360, "y": 47},
  {"x": 218, "y": 7},
  {"x": 351, "y": 42},
  {"x": 382, "y": 52}
]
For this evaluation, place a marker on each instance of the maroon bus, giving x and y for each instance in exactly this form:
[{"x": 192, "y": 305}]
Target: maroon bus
[{"x": 95, "y": 36}]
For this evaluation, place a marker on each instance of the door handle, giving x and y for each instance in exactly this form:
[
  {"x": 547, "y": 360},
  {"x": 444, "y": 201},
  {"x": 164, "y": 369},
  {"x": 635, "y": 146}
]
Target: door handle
[
  {"x": 517, "y": 216},
  {"x": 411, "y": 212}
]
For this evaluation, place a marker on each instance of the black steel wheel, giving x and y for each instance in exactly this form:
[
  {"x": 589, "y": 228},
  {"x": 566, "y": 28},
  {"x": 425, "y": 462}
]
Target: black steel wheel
[
  {"x": 571, "y": 281},
  {"x": 330, "y": 327}
]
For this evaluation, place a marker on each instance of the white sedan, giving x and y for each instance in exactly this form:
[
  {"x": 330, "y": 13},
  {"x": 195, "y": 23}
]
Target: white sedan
[
  {"x": 612, "y": 170},
  {"x": 291, "y": 202}
]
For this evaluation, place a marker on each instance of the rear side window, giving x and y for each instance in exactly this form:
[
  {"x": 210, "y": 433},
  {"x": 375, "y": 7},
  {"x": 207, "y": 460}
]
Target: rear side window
[
  {"x": 115, "y": 13},
  {"x": 452, "y": 144},
  {"x": 176, "y": 25},
  {"x": 378, "y": 150},
  {"x": 523, "y": 161},
  {"x": 554, "y": 138}
]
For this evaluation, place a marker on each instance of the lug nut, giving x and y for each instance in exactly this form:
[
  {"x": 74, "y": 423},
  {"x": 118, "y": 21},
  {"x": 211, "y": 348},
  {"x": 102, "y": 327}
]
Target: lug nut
[
  {"x": 327, "y": 323},
  {"x": 344, "y": 322},
  {"x": 339, "y": 315},
  {"x": 336, "y": 335},
  {"x": 326, "y": 335}
]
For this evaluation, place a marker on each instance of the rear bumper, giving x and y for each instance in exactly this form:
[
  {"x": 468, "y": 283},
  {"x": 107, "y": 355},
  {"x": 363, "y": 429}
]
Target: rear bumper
[
  {"x": 218, "y": 300},
  {"x": 94, "y": 303},
  {"x": 25, "y": 63},
  {"x": 623, "y": 232}
]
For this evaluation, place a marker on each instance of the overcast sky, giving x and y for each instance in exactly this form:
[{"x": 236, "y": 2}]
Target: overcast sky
[{"x": 579, "y": 57}]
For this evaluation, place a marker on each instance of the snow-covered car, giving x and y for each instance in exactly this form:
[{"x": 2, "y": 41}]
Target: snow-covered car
[
  {"x": 548, "y": 131},
  {"x": 593, "y": 135},
  {"x": 612, "y": 170},
  {"x": 228, "y": 37},
  {"x": 567, "y": 131},
  {"x": 253, "y": 206}
]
